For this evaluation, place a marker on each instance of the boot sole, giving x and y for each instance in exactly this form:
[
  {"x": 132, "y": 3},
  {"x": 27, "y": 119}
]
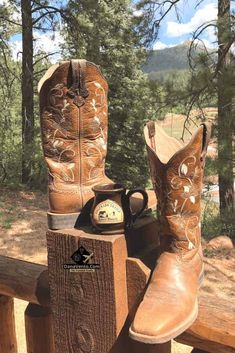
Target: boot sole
[
  {"x": 171, "y": 335},
  {"x": 61, "y": 221}
]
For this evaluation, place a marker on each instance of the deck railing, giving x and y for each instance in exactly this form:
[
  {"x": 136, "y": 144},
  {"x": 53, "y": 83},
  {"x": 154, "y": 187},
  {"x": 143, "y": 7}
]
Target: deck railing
[{"x": 92, "y": 310}]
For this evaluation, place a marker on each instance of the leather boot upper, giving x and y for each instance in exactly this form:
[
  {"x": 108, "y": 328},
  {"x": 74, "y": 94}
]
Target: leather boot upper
[
  {"x": 169, "y": 305},
  {"x": 73, "y": 107}
]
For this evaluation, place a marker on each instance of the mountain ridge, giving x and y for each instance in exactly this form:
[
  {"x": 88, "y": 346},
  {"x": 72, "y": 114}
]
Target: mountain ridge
[{"x": 170, "y": 58}]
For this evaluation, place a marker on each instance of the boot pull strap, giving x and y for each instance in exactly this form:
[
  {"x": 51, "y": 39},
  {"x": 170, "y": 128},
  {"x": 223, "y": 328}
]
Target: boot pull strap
[
  {"x": 151, "y": 130},
  {"x": 205, "y": 139},
  {"x": 78, "y": 90},
  {"x": 83, "y": 90},
  {"x": 75, "y": 74}
]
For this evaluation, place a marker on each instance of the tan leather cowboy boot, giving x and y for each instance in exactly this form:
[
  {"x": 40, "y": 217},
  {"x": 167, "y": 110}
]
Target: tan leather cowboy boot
[
  {"x": 73, "y": 107},
  {"x": 170, "y": 304}
]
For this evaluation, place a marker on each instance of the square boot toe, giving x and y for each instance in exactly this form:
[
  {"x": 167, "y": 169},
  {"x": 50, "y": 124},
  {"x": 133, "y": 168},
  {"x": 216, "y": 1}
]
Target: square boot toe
[{"x": 160, "y": 323}]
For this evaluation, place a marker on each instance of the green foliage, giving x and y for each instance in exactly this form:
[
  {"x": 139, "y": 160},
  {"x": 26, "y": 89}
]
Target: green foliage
[
  {"x": 214, "y": 224},
  {"x": 10, "y": 124},
  {"x": 10, "y": 127},
  {"x": 218, "y": 253},
  {"x": 211, "y": 166},
  {"x": 176, "y": 77},
  {"x": 173, "y": 59},
  {"x": 104, "y": 33}
]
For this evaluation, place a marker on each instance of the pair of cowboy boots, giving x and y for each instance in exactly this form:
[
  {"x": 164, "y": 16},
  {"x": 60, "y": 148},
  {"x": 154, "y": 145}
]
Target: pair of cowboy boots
[
  {"x": 170, "y": 305},
  {"x": 74, "y": 125},
  {"x": 73, "y": 106}
]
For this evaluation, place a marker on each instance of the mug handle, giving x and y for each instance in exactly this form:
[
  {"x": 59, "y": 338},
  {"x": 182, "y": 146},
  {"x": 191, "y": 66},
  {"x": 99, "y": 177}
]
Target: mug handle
[{"x": 134, "y": 216}]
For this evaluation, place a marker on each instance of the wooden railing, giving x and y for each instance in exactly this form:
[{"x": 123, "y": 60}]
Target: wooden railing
[
  {"x": 92, "y": 311},
  {"x": 29, "y": 282}
]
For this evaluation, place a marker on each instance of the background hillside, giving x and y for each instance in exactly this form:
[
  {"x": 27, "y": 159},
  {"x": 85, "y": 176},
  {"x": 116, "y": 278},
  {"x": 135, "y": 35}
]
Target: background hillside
[{"x": 162, "y": 62}]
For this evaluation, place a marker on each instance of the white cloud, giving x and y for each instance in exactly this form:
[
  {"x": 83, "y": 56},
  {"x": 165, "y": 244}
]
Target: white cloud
[
  {"x": 233, "y": 49},
  {"x": 160, "y": 45},
  {"x": 15, "y": 13},
  {"x": 206, "y": 14},
  {"x": 48, "y": 42},
  {"x": 16, "y": 49},
  {"x": 208, "y": 44},
  {"x": 137, "y": 13}
]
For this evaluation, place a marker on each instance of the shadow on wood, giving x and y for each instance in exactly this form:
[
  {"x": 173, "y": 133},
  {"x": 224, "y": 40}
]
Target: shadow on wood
[{"x": 39, "y": 330}]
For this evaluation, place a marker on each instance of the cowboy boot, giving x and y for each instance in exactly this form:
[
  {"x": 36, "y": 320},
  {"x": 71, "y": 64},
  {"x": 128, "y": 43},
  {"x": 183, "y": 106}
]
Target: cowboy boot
[
  {"x": 170, "y": 305},
  {"x": 73, "y": 109}
]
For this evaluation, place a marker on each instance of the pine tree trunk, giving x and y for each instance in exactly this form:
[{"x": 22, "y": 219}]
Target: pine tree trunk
[
  {"x": 225, "y": 128},
  {"x": 27, "y": 91}
]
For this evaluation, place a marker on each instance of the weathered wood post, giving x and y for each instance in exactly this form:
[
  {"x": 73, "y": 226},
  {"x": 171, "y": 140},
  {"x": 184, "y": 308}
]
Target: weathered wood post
[
  {"x": 8, "y": 342},
  {"x": 90, "y": 307},
  {"x": 39, "y": 329}
]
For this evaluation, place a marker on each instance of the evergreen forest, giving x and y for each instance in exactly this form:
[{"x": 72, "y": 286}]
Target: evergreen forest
[{"x": 144, "y": 84}]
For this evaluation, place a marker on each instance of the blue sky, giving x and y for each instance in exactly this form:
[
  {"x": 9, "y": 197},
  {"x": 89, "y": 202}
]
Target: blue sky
[{"x": 171, "y": 31}]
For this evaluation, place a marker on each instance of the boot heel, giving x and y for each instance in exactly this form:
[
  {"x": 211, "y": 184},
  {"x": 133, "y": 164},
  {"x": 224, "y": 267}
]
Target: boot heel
[{"x": 57, "y": 221}]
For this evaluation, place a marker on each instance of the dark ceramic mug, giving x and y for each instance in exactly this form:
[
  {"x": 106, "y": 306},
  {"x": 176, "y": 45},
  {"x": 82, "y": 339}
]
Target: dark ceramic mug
[{"x": 111, "y": 212}]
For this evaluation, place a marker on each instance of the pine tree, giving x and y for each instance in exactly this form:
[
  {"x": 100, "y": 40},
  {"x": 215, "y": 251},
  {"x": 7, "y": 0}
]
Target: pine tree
[
  {"x": 225, "y": 91},
  {"x": 105, "y": 33},
  {"x": 212, "y": 79},
  {"x": 28, "y": 16}
]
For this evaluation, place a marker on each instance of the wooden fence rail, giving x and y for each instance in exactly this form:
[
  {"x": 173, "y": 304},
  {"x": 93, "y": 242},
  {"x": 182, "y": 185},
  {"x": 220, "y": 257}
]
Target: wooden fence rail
[
  {"x": 92, "y": 311},
  {"x": 24, "y": 280},
  {"x": 29, "y": 282}
]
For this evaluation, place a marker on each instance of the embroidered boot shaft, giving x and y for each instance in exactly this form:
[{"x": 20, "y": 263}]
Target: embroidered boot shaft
[
  {"x": 73, "y": 106},
  {"x": 170, "y": 305}
]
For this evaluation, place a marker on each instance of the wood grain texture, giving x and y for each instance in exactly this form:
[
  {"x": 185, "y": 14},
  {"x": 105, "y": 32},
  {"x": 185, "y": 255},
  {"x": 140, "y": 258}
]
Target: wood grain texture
[
  {"x": 203, "y": 344},
  {"x": 215, "y": 325},
  {"x": 137, "y": 278},
  {"x": 39, "y": 329},
  {"x": 93, "y": 310},
  {"x": 89, "y": 308},
  {"x": 24, "y": 280},
  {"x": 8, "y": 342}
]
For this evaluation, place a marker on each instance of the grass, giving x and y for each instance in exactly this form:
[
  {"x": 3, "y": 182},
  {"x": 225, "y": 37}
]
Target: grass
[
  {"x": 8, "y": 214},
  {"x": 218, "y": 253},
  {"x": 8, "y": 217},
  {"x": 176, "y": 129},
  {"x": 213, "y": 224}
]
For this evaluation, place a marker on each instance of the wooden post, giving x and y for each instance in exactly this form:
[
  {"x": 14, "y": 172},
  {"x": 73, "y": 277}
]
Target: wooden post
[
  {"x": 90, "y": 309},
  {"x": 8, "y": 342},
  {"x": 38, "y": 329},
  {"x": 137, "y": 277}
]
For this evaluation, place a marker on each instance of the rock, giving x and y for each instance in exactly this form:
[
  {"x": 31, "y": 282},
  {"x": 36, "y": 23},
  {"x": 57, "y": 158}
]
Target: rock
[{"x": 220, "y": 242}]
